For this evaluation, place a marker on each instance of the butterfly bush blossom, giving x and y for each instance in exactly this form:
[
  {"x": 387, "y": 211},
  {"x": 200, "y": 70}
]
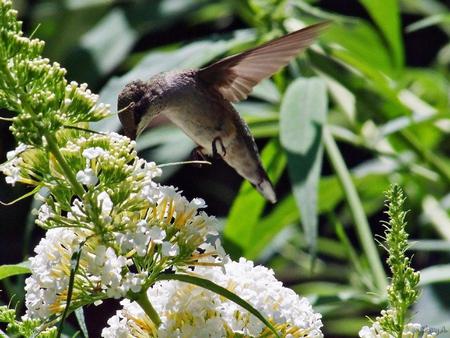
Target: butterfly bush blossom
[
  {"x": 128, "y": 227},
  {"x": 190, "y": 311}
]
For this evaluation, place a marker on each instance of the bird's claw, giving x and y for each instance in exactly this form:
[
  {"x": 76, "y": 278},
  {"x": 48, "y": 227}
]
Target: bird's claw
[
  {"x": 198, "y": 155},
  {"x": 214, "y": 147}
]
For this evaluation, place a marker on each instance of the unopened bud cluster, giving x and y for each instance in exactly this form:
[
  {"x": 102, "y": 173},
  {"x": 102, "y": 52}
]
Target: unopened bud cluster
[{"x": 36, "y": 89}]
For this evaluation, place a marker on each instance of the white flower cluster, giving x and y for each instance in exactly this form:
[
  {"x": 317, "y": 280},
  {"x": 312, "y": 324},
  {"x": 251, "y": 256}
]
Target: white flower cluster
[
  {"x": 11, "y": 169},
  {"x": 412, "y": 330},
  {"x": 155, "y": 239},
  {"x": 127, "y": 223},
  {"x": 102, "y": 273},
  {"x": 190, "y": 311}
]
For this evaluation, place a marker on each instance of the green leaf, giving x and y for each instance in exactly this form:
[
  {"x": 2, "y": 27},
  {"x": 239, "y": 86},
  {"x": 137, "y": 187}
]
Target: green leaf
[
  {"x": 107, "y": 43},
  {"x": 435, "y": 274},
  {"x": 443, "y": 18},
  {"x": 285, "y": 213},
  {"x": 79, "y": 313},
  {"x": 211, "y": 286},
  {"x": 386, "y": 15},
  {"x": 14, "y": 270},
  {"x": 437, "y": 216},
  {"x": 247, "y": 208},
  {"x": 429, "y": 245},
  {"x": 361, "y": 41},
  {"x": 303, "y": 114},
  {"x": 267, "y": 91}
]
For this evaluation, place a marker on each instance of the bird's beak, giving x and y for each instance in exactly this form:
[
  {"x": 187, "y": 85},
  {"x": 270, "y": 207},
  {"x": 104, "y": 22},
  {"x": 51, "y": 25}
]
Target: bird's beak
[{"x": 126, "y": 117}]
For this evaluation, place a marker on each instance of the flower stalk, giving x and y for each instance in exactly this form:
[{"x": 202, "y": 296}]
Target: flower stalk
[
  {"x": 146, "y": 305},
  {"x": 54, "y": 149}
]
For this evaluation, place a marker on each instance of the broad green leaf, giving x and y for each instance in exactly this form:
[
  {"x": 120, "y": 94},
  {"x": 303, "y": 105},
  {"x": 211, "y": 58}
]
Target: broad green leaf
[
  {"x": 109, "y": 42},
  {"x": 247, "y": 208},
  {"x": 303, "y": 114},
  {"x": 304, "y": 6},
  {"x": 386, "y": 15},
  {"x": 211, "y": 286},
  {"x": 257, "y": 111},
  {"x": 371, "y": 97},
  {"x": 14, "y": 269}
]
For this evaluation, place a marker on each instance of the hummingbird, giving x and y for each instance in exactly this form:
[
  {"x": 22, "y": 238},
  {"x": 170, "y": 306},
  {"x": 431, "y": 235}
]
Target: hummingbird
[{"x": 199, "y": 101}]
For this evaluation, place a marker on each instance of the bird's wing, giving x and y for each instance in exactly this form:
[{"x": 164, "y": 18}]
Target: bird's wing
[{"x": 235, "y": 76}]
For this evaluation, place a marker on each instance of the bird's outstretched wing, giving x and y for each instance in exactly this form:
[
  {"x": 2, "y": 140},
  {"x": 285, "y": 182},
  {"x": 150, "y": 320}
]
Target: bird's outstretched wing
[{"x": 235, "y": 76}]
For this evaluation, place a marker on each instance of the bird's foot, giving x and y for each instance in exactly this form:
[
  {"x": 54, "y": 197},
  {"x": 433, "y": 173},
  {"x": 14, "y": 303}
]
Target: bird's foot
[
  {"x": 214, "y": 147},
  {"x": 198, "y": 155}
]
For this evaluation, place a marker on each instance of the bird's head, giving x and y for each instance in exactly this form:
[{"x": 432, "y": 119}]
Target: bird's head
[{"x": 132, "y": 105}]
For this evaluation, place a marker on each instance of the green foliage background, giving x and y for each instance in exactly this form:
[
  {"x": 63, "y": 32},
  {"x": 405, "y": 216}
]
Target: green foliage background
[{"x": 366, "y": 106}]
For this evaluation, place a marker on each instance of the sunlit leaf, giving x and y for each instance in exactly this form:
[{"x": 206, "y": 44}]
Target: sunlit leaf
[
  {"x": 386, "y": 15},
  {"x": 428, "y": 21},
  {"x": 303, "y": 113},
  {"x": 14, "y": 269},
  {"x": 247, "y": 208},
  {"x": 435, "y": 274},
  {"x": 360, "y": 40},
  {"x": 437, "y": 215},
  {"x": 79, "y": 314},
  {"x": 429, "y": 245}
]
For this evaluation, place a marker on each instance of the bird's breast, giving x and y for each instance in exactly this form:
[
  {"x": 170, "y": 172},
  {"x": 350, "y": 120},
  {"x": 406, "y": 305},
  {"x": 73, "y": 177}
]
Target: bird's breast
[{"x": 202, "y": 117}]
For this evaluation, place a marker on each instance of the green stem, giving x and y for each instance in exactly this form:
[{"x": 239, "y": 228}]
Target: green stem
[
  {"x": 362, "y": 225},
  {"x": 148, "y": 308},
  {"x": 53, "y": 147}
]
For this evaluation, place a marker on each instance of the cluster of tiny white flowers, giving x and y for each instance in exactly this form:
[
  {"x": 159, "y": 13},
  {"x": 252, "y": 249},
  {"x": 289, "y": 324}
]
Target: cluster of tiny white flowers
[
  {"x": 11, "y": 169},
  {"x": 87, "y": 176},
  {"x": 411, "y": 330},
  {"x": 190, "y": 311},
  {"x": 147, "y": 225},
  {"x": 100, "y": 266},
  {"x": 50, "y": 276}
]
